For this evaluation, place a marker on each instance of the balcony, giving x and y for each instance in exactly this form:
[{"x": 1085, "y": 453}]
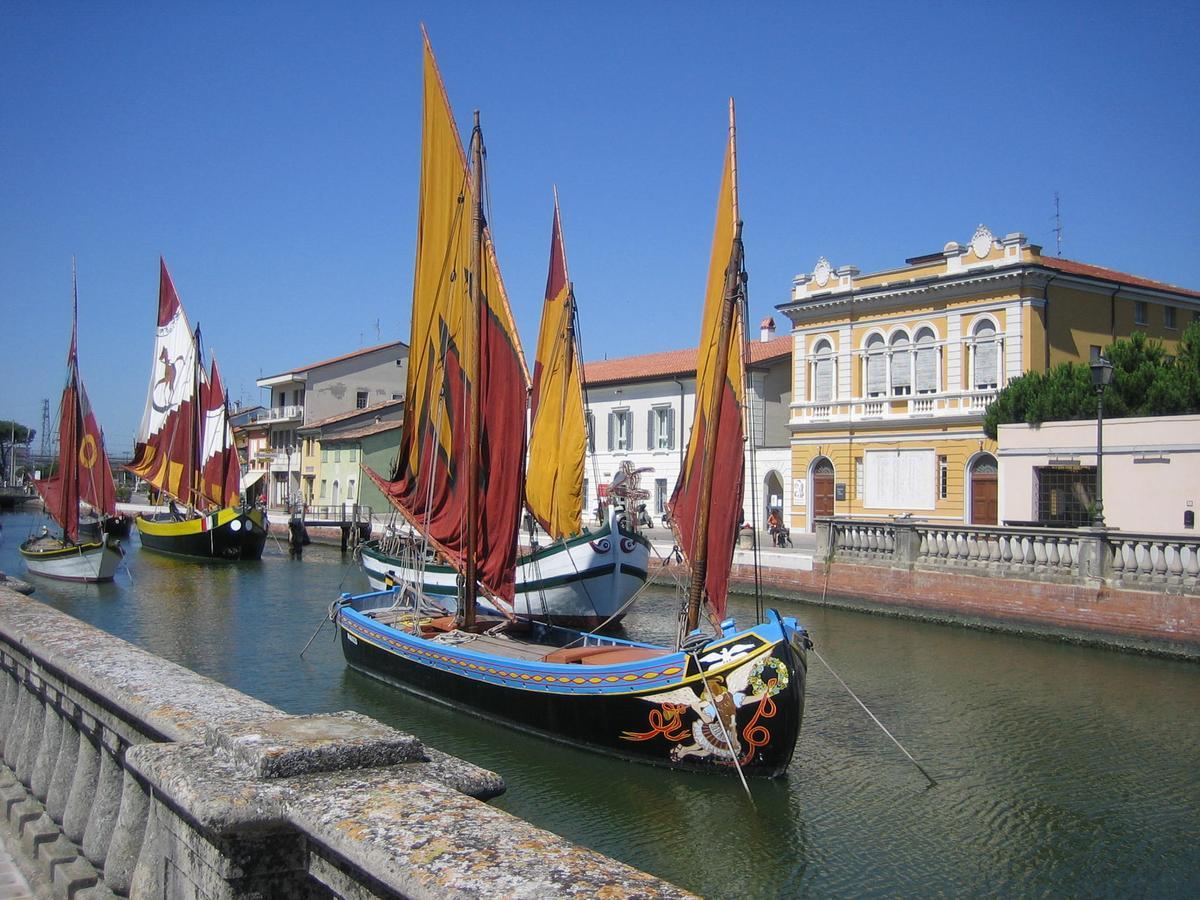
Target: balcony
[
  {"x": 281, "y": 414},
  {"x": 946, "y": 404}
]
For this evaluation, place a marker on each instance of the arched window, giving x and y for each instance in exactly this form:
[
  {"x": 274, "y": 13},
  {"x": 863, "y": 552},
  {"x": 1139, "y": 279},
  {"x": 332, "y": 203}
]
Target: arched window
[
  {"x": 927, "y": 368},
  {"x": 876, "y": 366},
  {"x": 987, "y": 356},
  {"x": 901, "y": 364},
  {"x": 823, "y": 372},
  {"x": 337, "y": 494}
]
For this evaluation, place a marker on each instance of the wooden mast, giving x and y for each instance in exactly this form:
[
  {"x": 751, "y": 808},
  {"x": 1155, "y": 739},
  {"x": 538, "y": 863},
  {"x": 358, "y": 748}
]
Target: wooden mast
[
  {"x": 733, "y": 273},
  {"x": 474, "y": 317}
]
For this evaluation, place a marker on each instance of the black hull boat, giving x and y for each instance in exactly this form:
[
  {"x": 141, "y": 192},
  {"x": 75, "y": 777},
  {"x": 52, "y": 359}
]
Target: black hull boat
[
  {"x": 735, "y": 701},
  {"x": 228, "y": 534}
]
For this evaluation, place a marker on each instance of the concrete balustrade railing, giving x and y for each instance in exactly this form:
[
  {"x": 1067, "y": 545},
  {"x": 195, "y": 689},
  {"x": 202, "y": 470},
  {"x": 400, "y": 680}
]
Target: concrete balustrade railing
[
  {"x": 127, "y": 775},
  {"x": 1077, "y": 555}
]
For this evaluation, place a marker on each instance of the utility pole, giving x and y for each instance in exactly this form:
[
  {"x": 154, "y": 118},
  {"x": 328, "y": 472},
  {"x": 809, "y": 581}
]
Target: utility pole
[
  {"x": 1057, "y": 225},
  {"x": 45, "y": 449}
]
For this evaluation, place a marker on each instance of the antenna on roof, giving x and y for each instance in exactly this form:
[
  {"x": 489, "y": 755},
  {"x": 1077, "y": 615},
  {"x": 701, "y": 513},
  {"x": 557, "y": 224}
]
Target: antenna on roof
[
  {"x": 378, "y": 333},
  {"x": 1057, "y": 225}
]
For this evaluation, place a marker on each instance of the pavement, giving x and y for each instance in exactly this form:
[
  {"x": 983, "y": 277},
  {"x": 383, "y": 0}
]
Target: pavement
[{"x": 13, "y": 885}]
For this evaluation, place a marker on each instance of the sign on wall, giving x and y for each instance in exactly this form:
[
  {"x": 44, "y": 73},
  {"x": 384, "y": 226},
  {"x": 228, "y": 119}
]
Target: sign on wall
[
  {"x": 799, "y": 492},
  {"x": 899, "y": 479}
]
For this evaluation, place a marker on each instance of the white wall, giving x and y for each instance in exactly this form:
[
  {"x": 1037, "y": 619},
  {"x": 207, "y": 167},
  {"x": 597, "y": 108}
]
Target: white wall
[{"x": 1151, "y": 468}]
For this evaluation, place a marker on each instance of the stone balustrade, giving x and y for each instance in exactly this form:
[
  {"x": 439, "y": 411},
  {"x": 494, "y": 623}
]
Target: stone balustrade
[
  {"x": 1073, "y": 556},
  {"x": 127, "y": 775}
]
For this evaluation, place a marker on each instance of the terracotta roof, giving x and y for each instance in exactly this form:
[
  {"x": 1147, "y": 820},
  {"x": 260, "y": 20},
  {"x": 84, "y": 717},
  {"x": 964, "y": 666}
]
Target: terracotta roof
[
  {"x": 364, "y": 411},
  {"x": 673, "y": 363},
  {"x": 365, "y": 431},
  {"x": 1089, "y": 271},
  {"x": 326, "y": 362}
]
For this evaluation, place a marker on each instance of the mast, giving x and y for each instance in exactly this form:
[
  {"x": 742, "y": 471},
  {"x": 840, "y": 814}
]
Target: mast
[
  {"x": 733, "y": 274},
  {"x": 194, "y": 492},
  {"x": 474, "y": 316}
]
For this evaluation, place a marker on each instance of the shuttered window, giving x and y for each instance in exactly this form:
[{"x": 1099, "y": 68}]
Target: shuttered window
[
  {"x": 986, "y": 356},
  {"x": 876, "y": 367},
  {"x": 926, "y": 363},
  {"x": 823, "y": 374},
  {"x": 901, "y": 364}
]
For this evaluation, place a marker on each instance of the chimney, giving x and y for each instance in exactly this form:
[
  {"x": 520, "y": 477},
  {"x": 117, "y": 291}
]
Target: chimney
[{"x": 767, "y": 329}]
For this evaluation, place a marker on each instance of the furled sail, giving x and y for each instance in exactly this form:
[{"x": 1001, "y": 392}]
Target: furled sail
[
  {"x": 165, "y": 452},
  {"x": 220, "y": 479},
  {"x": 83, "y": 472},
  {"x": 428, "y": 483},
  {"x": 558, "y": 432},
  {"x": 709, "y": 490}
]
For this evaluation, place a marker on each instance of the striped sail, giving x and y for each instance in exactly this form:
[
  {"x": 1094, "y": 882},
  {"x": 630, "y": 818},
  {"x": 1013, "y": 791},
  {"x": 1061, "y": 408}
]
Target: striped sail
[
  {"x": 720, "y": 398},
  {"x": 220, "y": 470},
  {"x": 165, "y": 452},
  {"x": 428, "y": 483},
  {"x": 558, "y": 432}
]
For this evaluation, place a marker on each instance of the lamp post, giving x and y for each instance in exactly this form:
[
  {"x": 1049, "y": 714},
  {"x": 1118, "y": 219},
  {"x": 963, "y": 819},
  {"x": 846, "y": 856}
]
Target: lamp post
[
  {"x": 1102, "y": 375},
  {"x": 287, "y": 486}
]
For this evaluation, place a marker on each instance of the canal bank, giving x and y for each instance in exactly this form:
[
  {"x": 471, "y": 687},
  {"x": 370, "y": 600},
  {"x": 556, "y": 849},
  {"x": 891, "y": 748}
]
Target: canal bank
[{"x": 1060, "y": 767}]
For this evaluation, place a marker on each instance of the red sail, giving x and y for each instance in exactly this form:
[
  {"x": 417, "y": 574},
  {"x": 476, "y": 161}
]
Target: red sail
[
  {"x": 428, "y": 483},
  {"x": 221, "y": 471}
]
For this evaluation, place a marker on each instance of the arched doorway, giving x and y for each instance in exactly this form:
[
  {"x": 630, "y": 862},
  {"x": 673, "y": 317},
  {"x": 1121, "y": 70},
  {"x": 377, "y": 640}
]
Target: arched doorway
[
  {"x": 772, "y": 495},
  {"x": 822, "y": 488},
  {"x": 984, "y": 490}
]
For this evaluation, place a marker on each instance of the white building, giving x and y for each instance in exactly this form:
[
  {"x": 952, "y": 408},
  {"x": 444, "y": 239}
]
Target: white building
[{"x": 640, "y": 409}]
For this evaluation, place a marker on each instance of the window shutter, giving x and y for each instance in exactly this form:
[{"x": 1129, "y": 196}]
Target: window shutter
[
  {"x": 901, "y": 371},
  {"x": 876, "y": 378},
  {"x": 651, "y": 442},
  {"x": 926, "y": 364},
  {"x": 671, "y": 428},
  {"x": 612, "y": 431},
  {"x": 985, "y": 364},
  {"x": 824, "y": 379}
]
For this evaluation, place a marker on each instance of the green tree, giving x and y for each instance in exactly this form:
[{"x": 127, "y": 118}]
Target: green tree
[
  {"x": 12, "y": 433},
  {"x": 1147, "y": 381}
]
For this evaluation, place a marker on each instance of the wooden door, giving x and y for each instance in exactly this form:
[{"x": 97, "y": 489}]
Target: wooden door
[
  {"x": 823, "y": 489},
  {"x": 983, "y": 498}
]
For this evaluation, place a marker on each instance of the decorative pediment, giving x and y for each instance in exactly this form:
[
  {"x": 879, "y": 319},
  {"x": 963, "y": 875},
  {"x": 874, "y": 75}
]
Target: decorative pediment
[
  {"x": 982, "y": 242},
  {"x": 822, "y": 271}
]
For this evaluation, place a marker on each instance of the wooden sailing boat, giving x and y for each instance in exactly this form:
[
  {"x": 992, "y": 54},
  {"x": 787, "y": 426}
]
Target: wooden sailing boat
[
  {"x": 83, "y": 475},
  {"x": 718, "y": 702},
  {"x": 582, "y": 579},
  {"x": 185, "y": 449}
]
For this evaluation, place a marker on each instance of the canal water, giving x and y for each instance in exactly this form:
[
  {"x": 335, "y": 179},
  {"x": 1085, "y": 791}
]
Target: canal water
[{"x": 1060, "y": 769}]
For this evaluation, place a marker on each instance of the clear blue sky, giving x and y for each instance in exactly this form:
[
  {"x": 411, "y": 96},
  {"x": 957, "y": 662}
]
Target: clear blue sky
[{"x": 269, "y": 152}]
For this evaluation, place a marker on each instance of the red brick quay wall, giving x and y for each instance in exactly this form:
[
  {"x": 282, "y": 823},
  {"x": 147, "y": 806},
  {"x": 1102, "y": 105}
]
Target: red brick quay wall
[{"x": 1136, "y": 592}]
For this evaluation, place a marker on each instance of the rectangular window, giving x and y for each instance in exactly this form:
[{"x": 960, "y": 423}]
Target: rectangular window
[
  {"x": 620, "y": 432},
  {"x": 397, "y": 396},
  {"x": 1169, "y": 317},
  {"x": 943, "y": 478},
  {"x": 350, "y": 490},
  {"x": 1094, "y": 353},
  {"x": 353, "y": 454},
  {"x": 324, "y": 489},
  {"x": 661, "y": 428},
  {"x": 899, "y": 479},
  {"x": 1066, "y": 495},
  {"x": 660, "y": 495},
  {"x": 361, "y": 400},
  {"x": 337, "y": 454},
  {"x": 1139, "y": 312},
  {"x": 590, "y": 421},
  {"x": 858, "y": 478},
  {"x": 324, "y": 456}
]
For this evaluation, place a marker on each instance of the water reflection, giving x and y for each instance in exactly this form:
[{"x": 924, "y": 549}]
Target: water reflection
[{"x": 1061, "y": 769}]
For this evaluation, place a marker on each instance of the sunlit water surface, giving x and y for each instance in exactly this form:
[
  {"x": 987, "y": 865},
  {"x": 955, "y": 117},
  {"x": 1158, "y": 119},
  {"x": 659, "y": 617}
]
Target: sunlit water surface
[{"x": 1060, "y": 769}]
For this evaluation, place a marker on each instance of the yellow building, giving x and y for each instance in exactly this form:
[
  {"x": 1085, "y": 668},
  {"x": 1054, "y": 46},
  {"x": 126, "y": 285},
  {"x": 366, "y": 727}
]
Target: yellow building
[{"x": 893, "y": 370}]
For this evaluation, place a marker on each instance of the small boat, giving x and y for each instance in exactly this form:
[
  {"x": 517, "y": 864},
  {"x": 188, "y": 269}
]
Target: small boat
[
  {"x": 722, "y": 699},
  {"x": 581, "y": 579},
  {"x": 83, "y": 475},
  {"x": 185, "y": 449}
]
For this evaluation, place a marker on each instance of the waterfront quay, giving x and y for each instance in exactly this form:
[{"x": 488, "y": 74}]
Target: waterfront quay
[{"x": 1062, "y": 768}]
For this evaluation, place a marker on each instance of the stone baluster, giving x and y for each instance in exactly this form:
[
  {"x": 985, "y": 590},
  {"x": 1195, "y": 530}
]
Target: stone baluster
[
  {"x": 1174, "y": 564},
  {"x": 83, "y": 785},
  {"x": 1158, "y": 557},
  {"x": 923, "y": 547},
  {"x": 64, "y": 766},
  {"x": 960, "y": 546},
  {"x": 8, "y": 713},
  {"x": 50, "y": 741},
  {"x": 106, "y": 802},
  {"x": 1142, "y": 555},
  {"x": 130, "y": 827},
  {"x": 29, "y": 729},
  {"x": 1052, "y": 555},
  {"x": 889, "y": 540},
  {"x": 1191, "y": 564}
]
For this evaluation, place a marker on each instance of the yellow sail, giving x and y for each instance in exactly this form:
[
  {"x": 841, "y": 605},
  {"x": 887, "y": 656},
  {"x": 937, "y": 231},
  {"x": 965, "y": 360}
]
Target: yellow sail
[{"x": 558, "y": 433}]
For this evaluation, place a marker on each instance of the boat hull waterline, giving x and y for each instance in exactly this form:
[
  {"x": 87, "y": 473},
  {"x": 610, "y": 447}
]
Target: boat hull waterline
[
  {"x": 582, "y": 582},
  {"x": 86, "y": 561},
  {"x": 229, "y": 534},
  {"x": 740, "y": 697}
]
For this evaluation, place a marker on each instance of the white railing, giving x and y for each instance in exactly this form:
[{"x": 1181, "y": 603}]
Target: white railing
[
  {"x": 921, "y": 406},
  {"x": 981, "y": 399},
  {"x": 1154, "y": 561},
  {"x": 872, "y": 409},
  {"x": 850, "y": 409},
  {"x": 281, "y": 413}
]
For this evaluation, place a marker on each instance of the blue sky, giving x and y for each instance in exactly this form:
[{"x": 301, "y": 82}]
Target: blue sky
[{"x": 269, "y": 152}]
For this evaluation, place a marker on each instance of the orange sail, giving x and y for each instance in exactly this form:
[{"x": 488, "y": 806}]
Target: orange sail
[
  {"x": 706, "y": 504},
  {"x": 429, "y": 481},
  {"x": 558, "y": 432},
  {"x": 220, "y": 478}
]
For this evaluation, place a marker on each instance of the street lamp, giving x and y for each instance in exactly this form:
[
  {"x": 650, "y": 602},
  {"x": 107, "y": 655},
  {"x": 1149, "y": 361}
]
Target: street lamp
[
  {"x": 287, "y": 482},
  {"x": 1102, "y": 376}
]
